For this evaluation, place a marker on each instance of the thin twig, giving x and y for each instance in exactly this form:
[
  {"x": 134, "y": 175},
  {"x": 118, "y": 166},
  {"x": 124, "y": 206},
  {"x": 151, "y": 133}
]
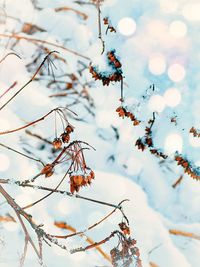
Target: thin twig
[
  {"x": 89, "y": 240},
  {"x": 29, "y": 124},
  {"x": 185, "y": 234},
  {"x": 63, "y": 192},
  {"x": 178, "y": 181},
  {"x": 65, "y": 8},
  {"x": 7, "y": 90},
  {"x": 34, "y": 40},
  {"x": 22, "y": 154},
  {"x": 38, "y": 137},
  {"x": 93, "y": 225},
  {"x": 9, "y": 54},
  {"x": 26, "y": 84},
  {"x": 99, "y": 26}
]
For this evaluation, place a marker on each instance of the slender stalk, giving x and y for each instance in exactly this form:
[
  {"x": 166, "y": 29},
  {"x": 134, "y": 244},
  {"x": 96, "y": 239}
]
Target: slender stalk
[
  {"x": 26, "y": 84},
  {"x": 99, "y": 26},
  {"x": 7, "y": 90},
  {"x": 35, "y": 40},
  {"x": 9, "y": 54},
  {"x": 29, "y": 124},
  {"x": 88, "y": 239},
  {"x": 62, "y": 192},
  {"x": 22, "y": 154}
]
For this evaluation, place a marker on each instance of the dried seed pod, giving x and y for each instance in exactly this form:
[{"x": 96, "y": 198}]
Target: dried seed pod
[
  {"x": 195, "y": 132},
  {"x": 139, "y": 143},
  {"x": 105, "y": 20},
  {"x": 57, "y": 143},
  {"x": 69, "y": 86},
  {"x": 69, "y": 129},
  {"x": 106, "y": 77},
  {"x": 189, "y": 166},
  {"x": 121, "y": 112},
  {"x": 78, "y": 179},
  {"x": 47, "y": 170},
  {"x": 124, "y": 228},
  {"x": 65, "y": 137},
  {"x": 92, "y": 175}
]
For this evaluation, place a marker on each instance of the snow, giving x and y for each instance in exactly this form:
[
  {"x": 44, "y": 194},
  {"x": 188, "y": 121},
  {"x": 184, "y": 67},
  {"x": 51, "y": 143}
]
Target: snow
[{"x": 161, "y": 48}]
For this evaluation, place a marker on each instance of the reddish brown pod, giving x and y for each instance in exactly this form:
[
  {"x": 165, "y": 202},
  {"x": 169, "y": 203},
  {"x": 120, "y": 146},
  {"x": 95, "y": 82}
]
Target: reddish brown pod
[
  {"x": 57, "y": 143},
  {"x": 78, "y": 181},
  {"x": 122, "y": 112},
  {"x": 107, "y": 22},
  {"x": 47, "y": 170},
  {"x": 188, "y": 166},
  {"x": 195, "y": 132},
  {"x": 65, "y": 137},
  {"x": 69, "y": 129},
  {"x": 115, "y": 75}
]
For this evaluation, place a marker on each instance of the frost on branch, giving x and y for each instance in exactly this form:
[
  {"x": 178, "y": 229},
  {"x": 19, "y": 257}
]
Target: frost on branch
[
  {"x": 115, "y": 73},
  {"x": 189, "y": 167}
]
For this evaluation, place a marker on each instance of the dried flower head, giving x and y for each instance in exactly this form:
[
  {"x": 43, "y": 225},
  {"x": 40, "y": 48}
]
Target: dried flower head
[
  {"x": 122, "y": 112},
  {"x": 78, "y": 181},
  {"x": 65, "y": 137},
  {"x": 188, "y": 166},
  {"x": 57, "y": 143},
  {"x": 115, "y": 75},
  {"x": 47, "y": 170}
]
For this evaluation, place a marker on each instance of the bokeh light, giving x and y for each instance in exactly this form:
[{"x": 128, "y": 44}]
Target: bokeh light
[
  {"x": 127, "y": 26},
  {"x": 173, "y": 143},
  {"x": 168, "y": 6},
  {"x": 194, "y": 141},
  {"x": 157, "y": 64},
  {"x": 178, "y": 29},
  {"x": 176, "y": 72},
  {"x": 191, "y": 11},
  {"x": 172, "y": 97},
  {"x": 156, "y": 103}
]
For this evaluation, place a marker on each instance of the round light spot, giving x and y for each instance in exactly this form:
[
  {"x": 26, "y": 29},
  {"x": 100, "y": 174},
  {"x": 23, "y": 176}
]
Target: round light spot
[
  {"x": 168, "y": 6},
  {"x": 191, "y": 11},
  {"x": 127, "y": 26},
  {"x": 156, "y": 28},
  {"x": 172, "y": 97},
  {"x": 156, "y": 103},
  {"x": 176, "y": 72},
  {"x": 173, "y": 143},
  {"x": 178, "y": 29},
  {"x": 4, "y": 162},
  {"x": 157, "y": 64},
  {"x": 194, "y": 141}
]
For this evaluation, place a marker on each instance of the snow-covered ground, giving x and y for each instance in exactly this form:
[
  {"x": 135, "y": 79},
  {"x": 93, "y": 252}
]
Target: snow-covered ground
[{"x": 158, "y": 44}]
